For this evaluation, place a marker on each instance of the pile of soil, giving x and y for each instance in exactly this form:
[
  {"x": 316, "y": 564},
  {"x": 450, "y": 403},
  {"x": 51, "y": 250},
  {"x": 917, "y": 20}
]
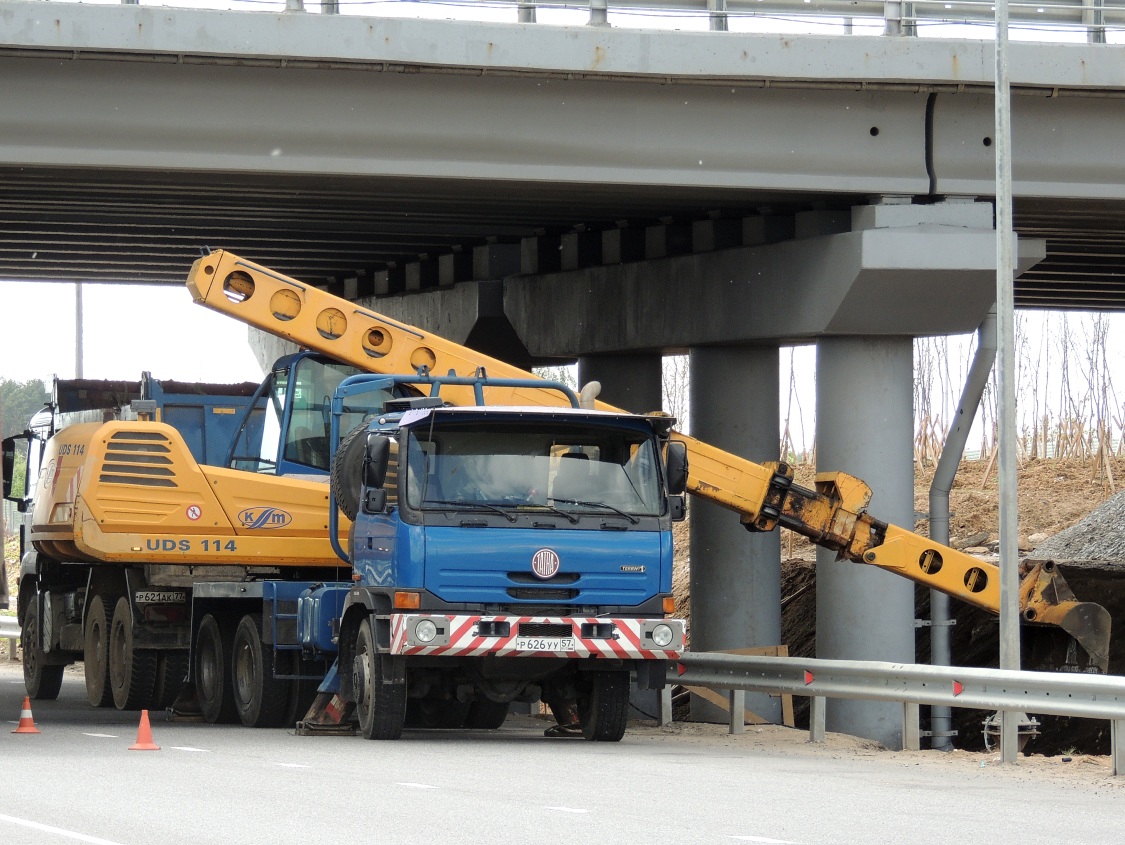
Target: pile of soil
[{"x": 1053, "y": 495}]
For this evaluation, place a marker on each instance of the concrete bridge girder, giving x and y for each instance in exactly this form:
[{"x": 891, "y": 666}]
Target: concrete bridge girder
[{"x": 914, "y": 280}]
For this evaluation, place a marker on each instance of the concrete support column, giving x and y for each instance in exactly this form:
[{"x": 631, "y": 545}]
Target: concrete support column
[
  {"x": 864, "y": 426},
  {"x": 735, "y": 575},
  {"x": 630, "y": 382}
]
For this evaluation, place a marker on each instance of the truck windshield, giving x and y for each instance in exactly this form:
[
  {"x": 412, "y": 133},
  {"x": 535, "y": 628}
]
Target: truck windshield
[{"x": 498, "y": 464}]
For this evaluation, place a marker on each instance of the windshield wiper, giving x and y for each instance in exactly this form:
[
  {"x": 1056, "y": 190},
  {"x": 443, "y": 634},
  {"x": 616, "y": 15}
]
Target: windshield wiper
[
  {"x": 628, "y": 516},
  {"x": 571, "y": 518},
  {"x": 470, "y": 506}
]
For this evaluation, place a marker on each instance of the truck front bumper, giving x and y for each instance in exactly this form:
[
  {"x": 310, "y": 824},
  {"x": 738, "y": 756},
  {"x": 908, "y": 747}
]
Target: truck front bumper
[{"x": 424, "y": 634}]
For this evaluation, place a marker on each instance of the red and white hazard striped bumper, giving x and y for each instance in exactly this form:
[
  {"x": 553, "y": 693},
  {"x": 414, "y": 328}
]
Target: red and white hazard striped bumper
[{"x": 536, "y": 636}]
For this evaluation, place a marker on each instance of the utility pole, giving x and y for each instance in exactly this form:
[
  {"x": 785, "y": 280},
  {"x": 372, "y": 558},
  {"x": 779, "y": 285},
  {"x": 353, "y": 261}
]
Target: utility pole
[{"x": 1005, "y": 323}]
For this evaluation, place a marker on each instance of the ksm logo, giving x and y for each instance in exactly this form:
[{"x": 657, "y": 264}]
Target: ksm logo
[{"x": 264, "y": 517}]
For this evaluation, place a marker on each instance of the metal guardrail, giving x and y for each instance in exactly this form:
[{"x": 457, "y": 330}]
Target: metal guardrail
[
  {"x": 10, "y": 630},
  {"x": 1055, "y": 693}
]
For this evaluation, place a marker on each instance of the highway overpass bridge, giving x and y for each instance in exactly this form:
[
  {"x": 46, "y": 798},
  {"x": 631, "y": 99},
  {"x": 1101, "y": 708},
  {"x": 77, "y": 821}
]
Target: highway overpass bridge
[{"x": 596, "y": 193}]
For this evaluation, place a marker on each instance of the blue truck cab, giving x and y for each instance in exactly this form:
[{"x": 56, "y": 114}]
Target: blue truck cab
[{"x": 503, "y": 554}]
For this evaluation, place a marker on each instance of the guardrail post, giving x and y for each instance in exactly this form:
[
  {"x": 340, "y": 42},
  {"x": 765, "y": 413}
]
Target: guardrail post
[
  {"x": 664, "y": 714},
  {"x": 816, "y": 718},
  {"x": 911, "y": 733},
  {"x": 738, "y": 711},
  {"x": 525, "y": 12},
  {"x": 1093, "y": 17},
  {"x": 1117, "y": 746},
  {"x": 599, "y": 13},
  {"x": 892, "y": 17},
  {"x": 718, "y": 15}
]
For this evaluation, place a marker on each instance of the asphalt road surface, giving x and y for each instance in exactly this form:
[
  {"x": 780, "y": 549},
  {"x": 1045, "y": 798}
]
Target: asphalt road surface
[{"x": 76, "y": 781}]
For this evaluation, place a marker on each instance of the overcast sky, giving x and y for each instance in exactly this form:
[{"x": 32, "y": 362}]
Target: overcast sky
[{"x": 127, "y": 329}]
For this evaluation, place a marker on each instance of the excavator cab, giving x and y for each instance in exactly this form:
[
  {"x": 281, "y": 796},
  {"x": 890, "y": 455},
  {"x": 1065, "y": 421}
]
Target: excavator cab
[{"x": 286, "y": 428}]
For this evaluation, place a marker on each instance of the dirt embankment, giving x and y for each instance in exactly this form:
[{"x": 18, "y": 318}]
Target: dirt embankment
[{"x": 1053, "y": 495}]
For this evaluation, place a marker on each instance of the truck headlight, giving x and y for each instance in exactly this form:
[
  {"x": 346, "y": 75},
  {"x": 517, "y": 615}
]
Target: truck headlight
[
  {"x": 662, "y": 635},
  {"x": 425, "y": 631}
]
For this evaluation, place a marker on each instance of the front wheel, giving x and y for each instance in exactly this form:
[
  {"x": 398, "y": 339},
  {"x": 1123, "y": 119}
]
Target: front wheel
[
  {"x": 41, "y": 679},
  {"x": 381, "y": 706},
  {"x": 603, "y": 708}
]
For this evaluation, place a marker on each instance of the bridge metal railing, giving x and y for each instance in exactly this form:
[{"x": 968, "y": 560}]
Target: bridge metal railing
[
  {"x": 1055, "y": 693},
  {"x": 1092, "y": 21}
]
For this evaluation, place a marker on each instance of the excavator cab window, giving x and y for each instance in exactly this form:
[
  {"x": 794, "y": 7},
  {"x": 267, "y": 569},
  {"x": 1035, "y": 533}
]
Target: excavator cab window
[{"x": 287, "y": 430}]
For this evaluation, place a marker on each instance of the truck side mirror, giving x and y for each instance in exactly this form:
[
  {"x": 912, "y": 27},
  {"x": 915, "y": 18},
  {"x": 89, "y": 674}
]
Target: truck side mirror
[
  {"x": 377, "y": 458},
  {"x": 676, "y": 468},
  {"x": 9, "y": 464}
]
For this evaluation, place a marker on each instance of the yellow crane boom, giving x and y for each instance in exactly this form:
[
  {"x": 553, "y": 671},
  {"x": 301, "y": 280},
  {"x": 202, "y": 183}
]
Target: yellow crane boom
[{"x": 833, "y": 515}]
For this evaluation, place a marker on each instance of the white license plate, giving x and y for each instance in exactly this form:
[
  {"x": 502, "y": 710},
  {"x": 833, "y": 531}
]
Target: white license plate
[
  {"x": 545, "y": 643},
  {"x": 160, "y": 597}
]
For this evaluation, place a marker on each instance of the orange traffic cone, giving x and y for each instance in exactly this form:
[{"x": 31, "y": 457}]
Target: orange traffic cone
[
  {"x": 27, "y": 724},
  {"x": 144, "y": 736}
]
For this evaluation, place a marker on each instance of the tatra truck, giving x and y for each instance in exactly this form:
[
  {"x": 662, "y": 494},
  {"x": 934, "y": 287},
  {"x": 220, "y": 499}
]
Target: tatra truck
[{"x": 446, "y": 544}]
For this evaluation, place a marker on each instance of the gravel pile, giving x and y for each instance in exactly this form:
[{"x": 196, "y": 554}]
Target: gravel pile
[{"x": 1098, "y": 537}]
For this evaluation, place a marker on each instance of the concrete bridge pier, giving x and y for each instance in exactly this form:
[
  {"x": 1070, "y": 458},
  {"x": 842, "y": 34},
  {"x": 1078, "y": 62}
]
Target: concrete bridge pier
[
  {"x": 864, "y": 426},
  {"x": 632, "y": 381},
  {"x": 735, "y": 575}
]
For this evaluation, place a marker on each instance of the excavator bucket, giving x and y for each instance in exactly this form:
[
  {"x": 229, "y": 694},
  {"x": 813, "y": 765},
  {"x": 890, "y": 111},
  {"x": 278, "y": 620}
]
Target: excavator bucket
[{"x": 1045, "y": 597}]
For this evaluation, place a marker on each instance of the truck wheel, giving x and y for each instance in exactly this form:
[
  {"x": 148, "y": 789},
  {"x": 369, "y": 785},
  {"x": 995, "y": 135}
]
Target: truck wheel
[
  {"x": 486, "y": 714},
  {"x": 603, "y": 708},
  {"x": 347, "y": 471},
  {"x": 41, "y": 679},
  {"x": 261, "y": 699},
  {"x": 212, "y": 672},
  {"x": 381, "y": 706},
  {"x": 132, "y": 671},
  {"x": 95, "y": 653}
]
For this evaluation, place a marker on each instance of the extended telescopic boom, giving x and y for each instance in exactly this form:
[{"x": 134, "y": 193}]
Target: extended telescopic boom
[{"x": 833, "y": 515}]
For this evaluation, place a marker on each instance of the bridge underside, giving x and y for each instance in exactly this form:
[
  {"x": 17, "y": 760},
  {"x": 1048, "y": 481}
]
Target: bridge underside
[{"x": 77, "y": 224}]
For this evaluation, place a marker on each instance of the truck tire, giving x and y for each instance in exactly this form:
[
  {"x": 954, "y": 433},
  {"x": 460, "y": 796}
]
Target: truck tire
[
  {"x": 132, "y": 671},
  {"x": 262, "y": 701},
  {"x": 381, "y": 707},
  {"x": 486, "y": 714},
  {"x": 41, "y": 679},
  {"x": 212, "y": 672},
  {"x": 347, "y": 471},
  {"x": 603, "y": 708},
  {"x": 95, "y": 653}
]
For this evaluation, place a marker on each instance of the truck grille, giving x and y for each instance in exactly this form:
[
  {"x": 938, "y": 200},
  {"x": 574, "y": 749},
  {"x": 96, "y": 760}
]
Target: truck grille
[
  {"x": 545, "y": 629},
  {"x": 528, "y": 578},
  {"x": 541, "y": 594},
  {"x": 139, "y": 458}
]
